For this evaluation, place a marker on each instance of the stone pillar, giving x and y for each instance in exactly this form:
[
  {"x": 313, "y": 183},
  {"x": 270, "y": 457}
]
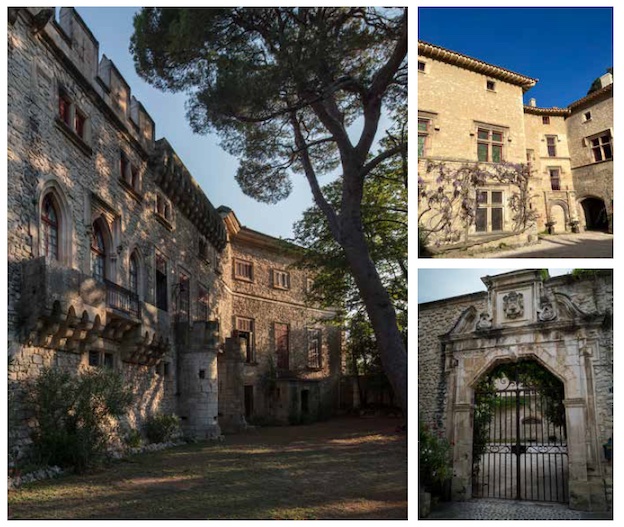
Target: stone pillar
[
  {"x": 231, "y": 393},
  {"x": 586, "y": 494},
  {"x": 461, "y": 487}
]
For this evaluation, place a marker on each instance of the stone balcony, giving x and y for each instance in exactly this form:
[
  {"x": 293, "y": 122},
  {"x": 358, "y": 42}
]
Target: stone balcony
[{"x": 64, "y": 309}]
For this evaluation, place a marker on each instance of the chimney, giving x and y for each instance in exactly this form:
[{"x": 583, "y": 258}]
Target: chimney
[
  {"x": 606, "y": 79},
  {"x": 532, "y": 102}
]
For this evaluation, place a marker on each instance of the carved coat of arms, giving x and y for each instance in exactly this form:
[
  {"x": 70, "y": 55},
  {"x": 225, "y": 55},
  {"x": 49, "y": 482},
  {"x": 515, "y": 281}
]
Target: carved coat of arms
[{"x": 513, "y": 305}]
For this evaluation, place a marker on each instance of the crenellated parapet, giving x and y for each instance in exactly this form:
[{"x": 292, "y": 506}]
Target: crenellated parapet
[{"x": 176, "y": 181}]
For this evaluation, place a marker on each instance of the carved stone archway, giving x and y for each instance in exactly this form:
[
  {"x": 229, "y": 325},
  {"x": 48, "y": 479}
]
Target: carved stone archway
[{"x": 525, "y": 320}]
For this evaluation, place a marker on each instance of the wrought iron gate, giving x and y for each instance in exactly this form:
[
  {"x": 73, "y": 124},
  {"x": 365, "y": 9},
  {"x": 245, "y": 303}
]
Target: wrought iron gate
[{"x": 519, "y": 445}]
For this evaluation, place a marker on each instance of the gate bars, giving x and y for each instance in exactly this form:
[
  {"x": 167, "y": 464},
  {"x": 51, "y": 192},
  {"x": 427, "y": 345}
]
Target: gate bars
[{"x": 520, "y": 453}]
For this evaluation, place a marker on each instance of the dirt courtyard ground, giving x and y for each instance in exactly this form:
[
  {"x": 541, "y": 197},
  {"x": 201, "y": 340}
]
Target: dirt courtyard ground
[{"x": 345, "y": 468}]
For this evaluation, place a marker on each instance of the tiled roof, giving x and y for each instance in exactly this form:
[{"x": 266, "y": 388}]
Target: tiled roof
[
  {"x": 564, "y": 112},
  {"x": 458, "y": 59},
  {"x": 591, "y": 96}
]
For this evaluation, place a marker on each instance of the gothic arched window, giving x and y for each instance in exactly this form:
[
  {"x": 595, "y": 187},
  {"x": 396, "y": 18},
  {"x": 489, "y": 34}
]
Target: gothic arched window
[
  {"x": 134, "y": 274},
  {"x": 98, "y": 254},
  {"x": 50, "y": 224}
]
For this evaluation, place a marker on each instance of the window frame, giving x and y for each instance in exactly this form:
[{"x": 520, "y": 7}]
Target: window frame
[
  {"x": 183, "y": 307},
  {"x": 424, "y": 66},
  {"x": 98, "y": 254},
  {"x": 203, "y": 302},
  {"x": 490, "y": 85},
  {"x": 243, "y": 263},
  {"x": 250, "y": 330},
  {"x": 489, "y": 206},
  {"x": 161, "y": 279},
  {"x": 600, "y": 146},
  {"x": 554, "y": 181},
  {"x": 314, "y": 359},
  {"x": 490, "y": 143},
  {"x": 424, "y": 134},
  {"x": 50, "y": 226},
  {"x": 554, "y": 139},
  {"x": 73, "y": 119},
  {"x": 281, "y": 279},
  {"x": 546, "y": 119}
]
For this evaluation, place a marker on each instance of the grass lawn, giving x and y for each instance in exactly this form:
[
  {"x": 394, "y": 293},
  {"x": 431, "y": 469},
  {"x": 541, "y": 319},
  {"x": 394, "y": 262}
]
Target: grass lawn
[{"x": 346, "y": 468}]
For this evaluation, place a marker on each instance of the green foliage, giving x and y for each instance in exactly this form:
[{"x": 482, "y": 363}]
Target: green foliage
[
  {"x": 133, "y": 438},
  {"x": 580, "y": 274},
  {"x": 162, "y": 428},
  {"x": 434, "y": 460},
  {"x": 596, "y": 85},
  {"x": 73, "y": 415}
]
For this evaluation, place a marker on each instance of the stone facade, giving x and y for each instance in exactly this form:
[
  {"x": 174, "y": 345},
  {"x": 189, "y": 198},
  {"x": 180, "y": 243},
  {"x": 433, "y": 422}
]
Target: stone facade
[
  {"x": 471, "y": 113},
  {"x": 564, "y": 324},
  {"x": 116, "y": 256}
]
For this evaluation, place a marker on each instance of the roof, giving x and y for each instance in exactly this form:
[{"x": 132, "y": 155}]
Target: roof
[
  {"x": 592, "y": 96},
  {"x": 564, "y": 112},
  {"x": 458, "y": 59}
]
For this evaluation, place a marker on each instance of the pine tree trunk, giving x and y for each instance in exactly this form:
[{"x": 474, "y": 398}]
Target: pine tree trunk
[{"x": 380, "y": 311}]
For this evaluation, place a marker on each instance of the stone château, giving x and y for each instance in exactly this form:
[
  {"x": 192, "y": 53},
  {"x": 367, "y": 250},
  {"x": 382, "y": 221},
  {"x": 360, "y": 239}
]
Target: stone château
[{"x": 118, "y": 259}]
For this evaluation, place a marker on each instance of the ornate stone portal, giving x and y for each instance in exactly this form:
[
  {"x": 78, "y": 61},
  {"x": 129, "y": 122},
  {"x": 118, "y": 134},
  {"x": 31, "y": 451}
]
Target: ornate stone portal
[{"x": 528, "y": 322}]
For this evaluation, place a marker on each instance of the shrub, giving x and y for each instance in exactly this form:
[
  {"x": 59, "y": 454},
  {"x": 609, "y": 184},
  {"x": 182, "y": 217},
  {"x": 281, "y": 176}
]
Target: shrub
[
  {"x": 434, "y": 460},
  {"x": 133, "y": 438},
  {"x": 74, "y": 415},
  {"x": 162, "y": 428}
]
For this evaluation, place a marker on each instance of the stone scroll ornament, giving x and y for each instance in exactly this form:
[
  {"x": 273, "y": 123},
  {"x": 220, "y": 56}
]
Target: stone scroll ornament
[
  {"x": 485, "y": 321},
  {"x": 546, "y": 311},
  {"x": 513, "y": 305}
]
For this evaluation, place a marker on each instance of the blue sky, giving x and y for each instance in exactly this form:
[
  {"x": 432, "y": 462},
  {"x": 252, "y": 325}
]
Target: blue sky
[
  {"x": 212, "y": 168},
  {"x": 434, "y": 284},
  {"x": 565, "y": 48}
]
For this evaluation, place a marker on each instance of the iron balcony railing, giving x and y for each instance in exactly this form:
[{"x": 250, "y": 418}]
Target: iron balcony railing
[{"x": 122, "y": 299}]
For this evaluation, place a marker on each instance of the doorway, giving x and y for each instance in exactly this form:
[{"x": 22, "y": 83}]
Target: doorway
[
  {"x": 595, "y": 211},
  {"x": 520, "y": 448},
  {"x": 249, "y": 399}
]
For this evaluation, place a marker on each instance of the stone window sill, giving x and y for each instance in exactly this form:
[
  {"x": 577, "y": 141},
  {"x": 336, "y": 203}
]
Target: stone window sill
[
  {"x": 164, "y": 221},
  {"x": 130, "y": 190},
  {"x": 73, "y": 137}
]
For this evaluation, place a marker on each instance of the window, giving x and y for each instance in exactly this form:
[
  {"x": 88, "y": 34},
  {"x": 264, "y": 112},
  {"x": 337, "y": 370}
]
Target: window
[
  {"x": 134, "y": 274},
  {"x": 98, "y": 359},
  {"x": 129, "y": 173},
  {"x": 245, "y": 329},
  {"x": 421, "y": 65},
  {"x": 490, "y": 85},
  {"x": 281, "y": 345},
  {"x": 98, "y": 253},
  {"x": 202, "y": 303},
  {"x": 74, "y": 119},
  {"x": 489, "y": 145},
  {"x": 489, "y": 216},
  {"x": 545, "y": 119},
  {"x": 184, "y": 291},
  {"x": 601, "y": 147},
  {"x": 423, "y": 136},
  {"x": 281, "y": 279},
  {"x": 65, "y": 109},
  {"x": 50, "y": 224},
  {"x": 161, "y": 282},
  {"x": 243, "y": 270},
  {"x": 587, "y": 116},
  {"x": 551, "y": 145},
  {"x": 163, "y": 207},
  {"x": 555, "y": 183},
  {"x": 314, "y": 348}
]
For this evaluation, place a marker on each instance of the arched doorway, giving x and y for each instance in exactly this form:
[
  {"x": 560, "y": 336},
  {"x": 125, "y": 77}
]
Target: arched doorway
[
  {"x": 520, "y": 448},
  {"x": 595, "y": 211}
]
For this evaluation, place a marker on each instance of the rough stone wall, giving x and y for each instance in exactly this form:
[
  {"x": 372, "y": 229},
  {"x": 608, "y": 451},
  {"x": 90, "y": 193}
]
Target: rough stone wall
[
  {"x": 41, "y": 149},
  {"x": 267, "y": 305},
  {"x": 545, "y": 198},
  {"x": 435, "y": 319},
  {"x": 591, "y": 179},
  {"x": 459, "y": 97}
]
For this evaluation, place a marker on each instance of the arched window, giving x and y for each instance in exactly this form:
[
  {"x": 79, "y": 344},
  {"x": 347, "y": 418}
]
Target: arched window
[
  {"x": 98, "y": 254},
  {"x": 50, "y": 228},
  {"x": 134, "y": 274}
]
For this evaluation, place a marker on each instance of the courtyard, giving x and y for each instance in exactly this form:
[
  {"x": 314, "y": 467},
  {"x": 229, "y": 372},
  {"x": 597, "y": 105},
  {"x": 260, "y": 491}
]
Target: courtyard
[{"x": 345, "y": 468}]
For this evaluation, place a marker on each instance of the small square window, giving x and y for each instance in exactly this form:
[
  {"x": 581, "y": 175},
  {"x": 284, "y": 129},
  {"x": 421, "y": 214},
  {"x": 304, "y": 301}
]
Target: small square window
[
  {"x": 421, "y": 66},
  {"x": 491, "y": 85},
  {"x": 243, "y": 270},
  {"x": 281, "y": 279},
  {"x": 587, "y": 116},
  {"x": 202, "y": 374},
  {"x": 545, "y": 119}
]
